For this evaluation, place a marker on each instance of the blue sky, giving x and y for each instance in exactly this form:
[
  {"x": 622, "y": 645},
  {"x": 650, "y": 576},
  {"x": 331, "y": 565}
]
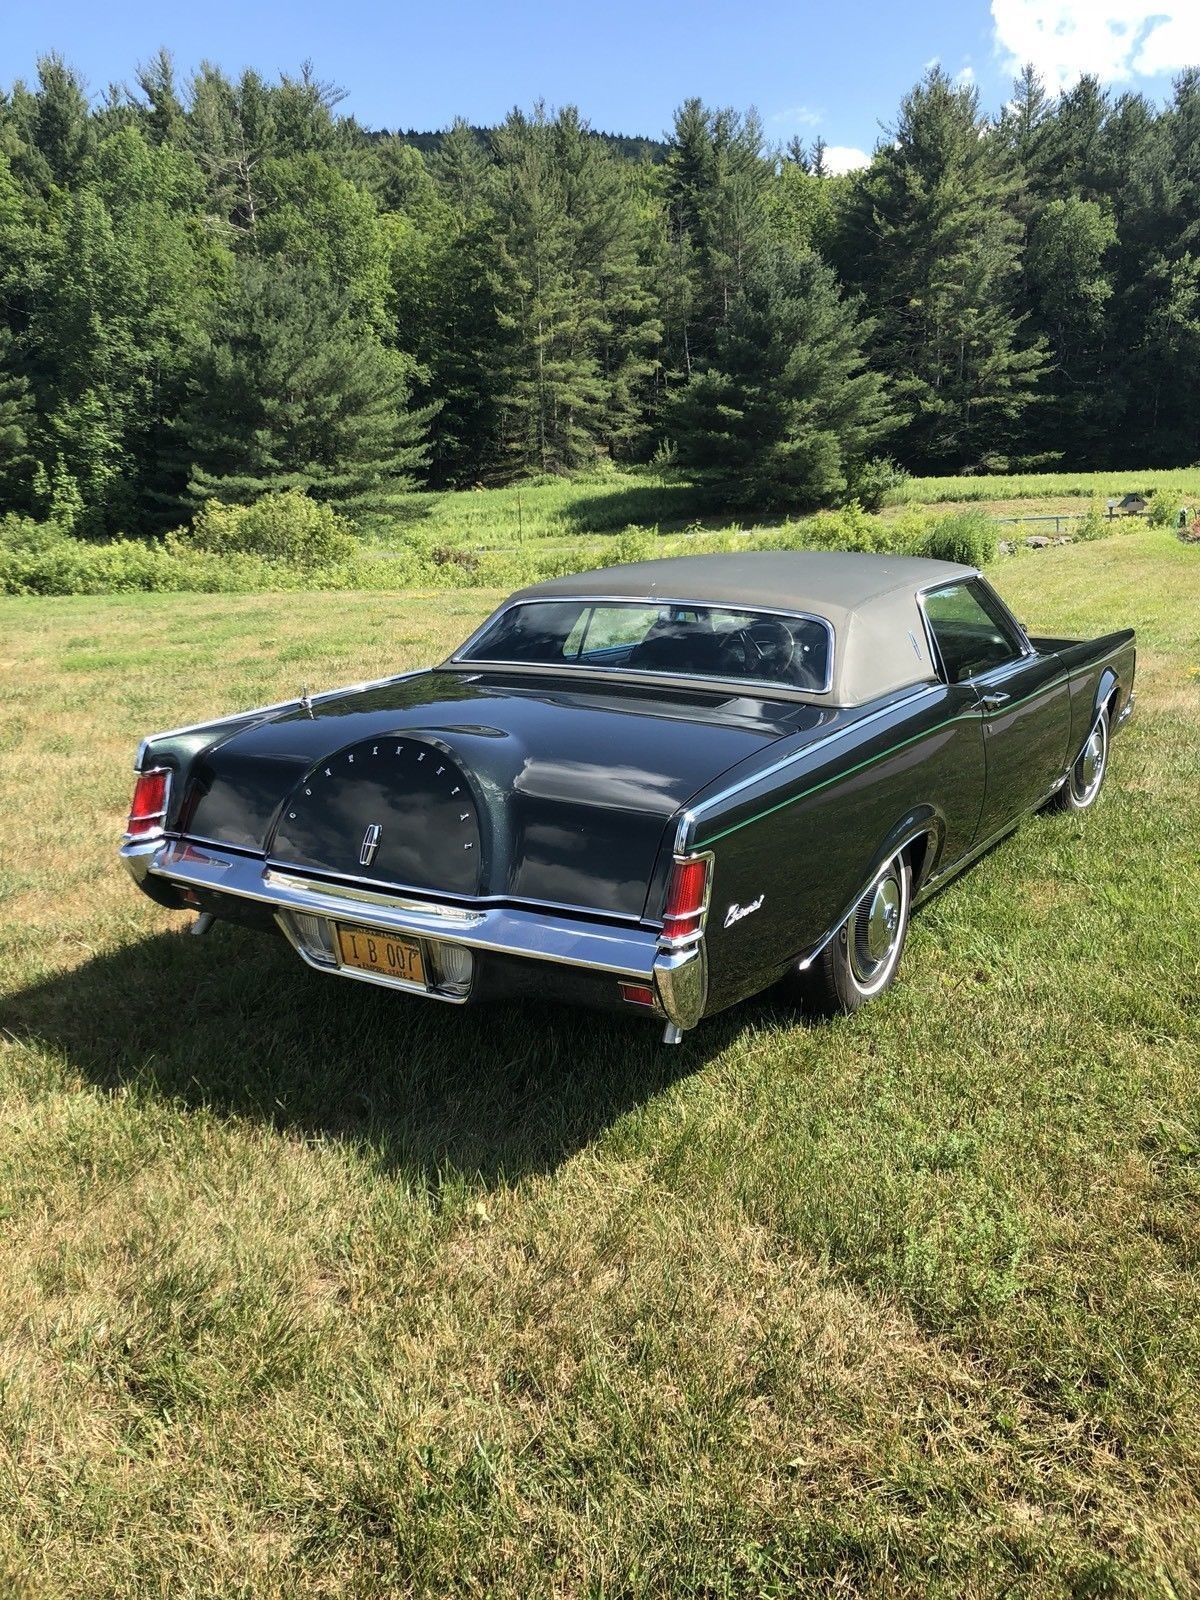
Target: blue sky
[{"x": 834, "y": 69}]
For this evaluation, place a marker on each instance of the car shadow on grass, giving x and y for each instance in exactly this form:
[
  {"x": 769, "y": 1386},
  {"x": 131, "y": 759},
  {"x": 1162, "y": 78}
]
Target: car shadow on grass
[{"x": 235, "y": 1024}]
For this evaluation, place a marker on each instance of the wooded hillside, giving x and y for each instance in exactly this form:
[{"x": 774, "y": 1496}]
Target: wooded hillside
[{"x": 223, "y": 287}]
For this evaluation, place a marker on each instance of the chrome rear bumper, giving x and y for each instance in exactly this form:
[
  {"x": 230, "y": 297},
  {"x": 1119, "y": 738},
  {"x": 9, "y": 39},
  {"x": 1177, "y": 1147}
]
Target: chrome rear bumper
[{"x": 632, "y": 953}]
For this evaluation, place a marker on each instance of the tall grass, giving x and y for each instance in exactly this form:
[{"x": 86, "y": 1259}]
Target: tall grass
[{"x": 1183, "y": 481}]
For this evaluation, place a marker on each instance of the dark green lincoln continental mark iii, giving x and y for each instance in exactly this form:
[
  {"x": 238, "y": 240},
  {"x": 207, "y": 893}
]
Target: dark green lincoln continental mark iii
[{"x": 662, "y": 786}]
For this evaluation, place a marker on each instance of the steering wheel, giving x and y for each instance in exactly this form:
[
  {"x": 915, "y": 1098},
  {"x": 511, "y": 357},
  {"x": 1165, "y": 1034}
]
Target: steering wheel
[{"x": 762, "y": 649}]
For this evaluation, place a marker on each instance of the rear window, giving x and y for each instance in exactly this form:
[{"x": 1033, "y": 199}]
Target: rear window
[{"x": 679, "y": 640}]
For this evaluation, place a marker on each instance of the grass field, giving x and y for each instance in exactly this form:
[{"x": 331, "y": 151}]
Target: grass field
[
  {"x": 581, "y": 512},
  {"x": 306, "y": 1290}
]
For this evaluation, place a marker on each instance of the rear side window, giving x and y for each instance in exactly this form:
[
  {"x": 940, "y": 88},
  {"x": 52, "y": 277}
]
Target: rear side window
[{"x": 973, "y": 635}]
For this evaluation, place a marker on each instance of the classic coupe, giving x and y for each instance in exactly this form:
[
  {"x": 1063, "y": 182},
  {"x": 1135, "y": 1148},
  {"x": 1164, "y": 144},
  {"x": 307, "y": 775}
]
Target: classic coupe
[{"x": 663, "y": 786}]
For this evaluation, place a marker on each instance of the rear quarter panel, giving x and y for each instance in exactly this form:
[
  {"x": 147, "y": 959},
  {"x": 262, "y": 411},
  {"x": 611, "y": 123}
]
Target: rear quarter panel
[
  {"x": 807, "y": 837},
  {"x": 1099, "y": 669}
]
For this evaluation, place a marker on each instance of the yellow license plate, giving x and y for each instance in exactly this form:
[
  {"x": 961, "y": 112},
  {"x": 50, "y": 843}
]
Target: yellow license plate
[{"x": 372, "y": 951}]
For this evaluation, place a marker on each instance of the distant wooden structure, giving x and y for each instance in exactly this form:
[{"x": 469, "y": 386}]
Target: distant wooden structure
[{"x": 1132, "y": 505}]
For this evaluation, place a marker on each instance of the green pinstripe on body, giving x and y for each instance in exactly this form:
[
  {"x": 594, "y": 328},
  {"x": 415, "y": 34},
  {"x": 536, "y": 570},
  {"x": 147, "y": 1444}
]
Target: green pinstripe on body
[{"x": 881, "y": 755}]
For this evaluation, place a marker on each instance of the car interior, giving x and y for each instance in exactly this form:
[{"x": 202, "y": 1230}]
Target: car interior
[{"x": 682, "y": 641}]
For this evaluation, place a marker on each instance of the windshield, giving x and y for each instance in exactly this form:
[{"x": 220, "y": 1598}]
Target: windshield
[{"x": 686, "y": 641}]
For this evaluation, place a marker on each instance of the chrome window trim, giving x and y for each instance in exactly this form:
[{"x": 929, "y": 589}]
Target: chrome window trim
[
  {"x": 458, "y": 659},
  {"x": 1026, "y": 648}
]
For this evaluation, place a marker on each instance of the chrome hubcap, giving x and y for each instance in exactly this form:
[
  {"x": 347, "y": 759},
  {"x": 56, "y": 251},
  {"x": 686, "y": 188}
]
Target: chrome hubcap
[
  {"x": 1089, "y": 769},
  {"x": 883, "y": 919},
  {"x": 875, "y": 929}
]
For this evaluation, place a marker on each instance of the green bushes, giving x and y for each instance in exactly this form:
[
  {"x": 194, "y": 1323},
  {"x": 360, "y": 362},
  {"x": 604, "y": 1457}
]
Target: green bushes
[
  {"x": 286, "y": 542},
  {"x": 1096, "y": 524},
  {"x": 968, "y": 537},
  {"x": 280, "y": 527},
  {"x": 40, "y": 559},
  {"x": 1163, "y": 509},
  {"x": 879, "y": 481}
]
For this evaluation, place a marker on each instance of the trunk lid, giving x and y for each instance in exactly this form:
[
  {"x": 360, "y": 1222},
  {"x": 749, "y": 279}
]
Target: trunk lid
[{"x": 479, "y": 784}]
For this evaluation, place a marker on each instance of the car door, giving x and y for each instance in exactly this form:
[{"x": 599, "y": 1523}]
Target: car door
[{"x": 1023, "y": 694}]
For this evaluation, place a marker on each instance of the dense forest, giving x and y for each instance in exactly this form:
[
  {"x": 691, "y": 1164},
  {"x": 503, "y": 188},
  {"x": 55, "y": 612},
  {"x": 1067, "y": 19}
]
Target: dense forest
[{"x": 220, "y": 288}]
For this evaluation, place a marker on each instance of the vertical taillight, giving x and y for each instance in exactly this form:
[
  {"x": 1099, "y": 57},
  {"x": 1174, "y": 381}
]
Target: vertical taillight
[
  {"x": 687, "y": 897},
  {"x": 148, "y": 809}
]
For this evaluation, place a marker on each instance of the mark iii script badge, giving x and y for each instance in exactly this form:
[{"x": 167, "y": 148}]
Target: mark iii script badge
[{"x": 370, "y": 844}]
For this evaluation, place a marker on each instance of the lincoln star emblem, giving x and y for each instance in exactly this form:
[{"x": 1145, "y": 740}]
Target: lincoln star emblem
[{"x": 369, "y": 845}]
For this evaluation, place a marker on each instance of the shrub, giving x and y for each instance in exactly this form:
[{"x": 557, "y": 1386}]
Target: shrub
[
  {"x": 968, "y": 537},
  {"x": 285, "y": 527},
  {"x": 909, "y": 532},
  {"x": 40, "y": 559},
  {"x": 877, "y": 481},
  {"x": 1095, "y": 524},
  {"x": 635, "y": 544},
  {"x": 1163, "y": 510},
  {"x": 454, "y": 555},
  {"x": 850, "y": 528}
]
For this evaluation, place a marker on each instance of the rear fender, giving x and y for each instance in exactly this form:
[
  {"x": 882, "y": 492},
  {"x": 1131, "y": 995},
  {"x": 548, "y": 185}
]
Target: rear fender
[{"x": 923, "y": 824}]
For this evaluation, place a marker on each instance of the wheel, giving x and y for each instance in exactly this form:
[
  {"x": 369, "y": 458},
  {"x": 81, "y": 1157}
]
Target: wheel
[
  {"x": 861, "y": 959},
  {"x": 1087, "y": 775}
]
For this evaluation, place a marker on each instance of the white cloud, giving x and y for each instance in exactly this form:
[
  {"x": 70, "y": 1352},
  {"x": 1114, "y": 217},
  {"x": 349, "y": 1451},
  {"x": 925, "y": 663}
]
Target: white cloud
[
  {"x": 845, "y": 158},
  {"x": 1173, "y": 43},
  {"x": 796, "y": 117},
  {"x": 1112, "y": 39},
  {"x": 964, "y": 76}
]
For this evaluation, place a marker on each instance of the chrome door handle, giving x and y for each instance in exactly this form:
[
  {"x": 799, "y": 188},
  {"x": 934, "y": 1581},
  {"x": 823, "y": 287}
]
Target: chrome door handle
[{"x": 994, "y": 700}]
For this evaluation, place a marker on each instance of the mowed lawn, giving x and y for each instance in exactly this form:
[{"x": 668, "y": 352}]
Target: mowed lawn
[{"x": 309, "y": 1290}]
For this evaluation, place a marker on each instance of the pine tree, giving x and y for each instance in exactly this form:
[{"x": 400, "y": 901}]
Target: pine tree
[
  {"x": 717, "y": 193},
  {"x": 1159, "y": 306},
  {"x": 59, "y": 128},
  {"x": 164, "y": 116},
  {"x": 460, "y": 168},
  {"x": 788, "y": 410},
  {"x": 1073, "y": 160},
  {"x": 608, "y": 245},
  {"x": 929, "y": 237},
  {"x": 1071, "y": 290},
  {"x": 22, "y": 255},
  {"x": 17, "y": 421},
  {"x": 295, "y": 393},
  {"x": 572, "y": 294},
  {"x": 123, "y": 307}
]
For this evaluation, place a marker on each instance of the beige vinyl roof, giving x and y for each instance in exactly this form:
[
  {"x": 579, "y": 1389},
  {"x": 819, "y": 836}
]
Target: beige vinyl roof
[{"x": 870, "y": 601}]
